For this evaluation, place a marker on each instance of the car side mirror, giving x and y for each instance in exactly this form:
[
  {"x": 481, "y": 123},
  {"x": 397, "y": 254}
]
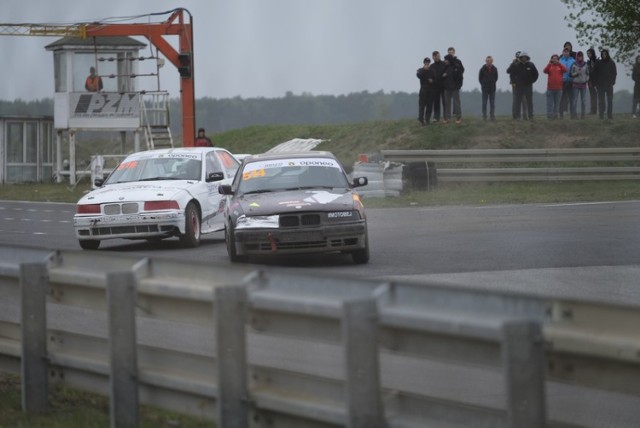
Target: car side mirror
[
  {"x": 214, "y": 176},
  {"x": 225, "y": 189},
  {"x": 98, "y": 182},
  {"x": 360, "y": 181}
]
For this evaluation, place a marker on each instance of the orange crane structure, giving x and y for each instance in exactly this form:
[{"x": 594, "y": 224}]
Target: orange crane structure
[{"x": 176, "y": 25}]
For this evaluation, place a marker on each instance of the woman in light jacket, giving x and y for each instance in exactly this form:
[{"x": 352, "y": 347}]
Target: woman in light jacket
[{"x": 580, "y": 75}]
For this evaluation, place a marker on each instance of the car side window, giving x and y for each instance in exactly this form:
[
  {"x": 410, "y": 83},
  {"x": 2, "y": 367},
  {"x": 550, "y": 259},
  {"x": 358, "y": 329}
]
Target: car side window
[
  {"x": 213, "y": 164},
  {"x": 229, "y": 164}
]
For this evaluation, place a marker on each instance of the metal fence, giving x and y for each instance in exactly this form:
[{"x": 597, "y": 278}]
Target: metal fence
[
  {"x": 540, "y": 164},
  {"x": 263, "y": 348}
]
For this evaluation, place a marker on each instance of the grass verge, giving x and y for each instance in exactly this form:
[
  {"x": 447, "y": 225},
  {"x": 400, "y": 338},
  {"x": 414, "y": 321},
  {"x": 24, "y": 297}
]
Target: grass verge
[{"x": 70, "y": 408}]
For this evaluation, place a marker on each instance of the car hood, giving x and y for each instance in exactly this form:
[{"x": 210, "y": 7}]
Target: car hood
[
  {"x": 295, "y": 201},
  {"x": 137, "y": 191}
]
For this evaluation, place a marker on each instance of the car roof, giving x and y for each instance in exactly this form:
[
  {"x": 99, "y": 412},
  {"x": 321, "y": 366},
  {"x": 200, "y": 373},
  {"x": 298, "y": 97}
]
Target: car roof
[
  {"x": 289, "y": 155},
  {"x": 182, "y": 149},
  {"x": 175, "y": 150}
]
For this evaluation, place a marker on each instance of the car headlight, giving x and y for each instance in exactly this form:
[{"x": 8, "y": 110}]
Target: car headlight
[{"x": 258, "y": 221}]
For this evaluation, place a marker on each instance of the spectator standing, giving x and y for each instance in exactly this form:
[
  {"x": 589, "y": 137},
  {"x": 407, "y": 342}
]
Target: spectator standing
[
  {"x": 511, "y": 71},
  {"x": 635, "y": 75},
  {"x": 554, "y": 71},
  {"x": 449, "y": 85},
  {"x": 606, "y": 74},
  {"x": 568, "y": 45},
  {"x": 580, "y": 75},
  {"x": 93, "y": 83},
  {"x": 520, "y": 110},
  {"x": 458, "y": 76},
  {"x": 593, "y": 90},
  {"x": 425, "y": 103},
  {"x": 488, "y": 76},
  {"x": 526, "y": 74},
  {"x": 202, "y": 140},
  {"x": 437, "y": 69},
  {"x": 567, "y": 81}
]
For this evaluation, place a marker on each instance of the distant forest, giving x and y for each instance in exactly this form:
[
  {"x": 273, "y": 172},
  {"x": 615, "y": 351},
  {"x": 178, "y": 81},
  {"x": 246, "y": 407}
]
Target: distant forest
[{"x": 219, "y": 115}]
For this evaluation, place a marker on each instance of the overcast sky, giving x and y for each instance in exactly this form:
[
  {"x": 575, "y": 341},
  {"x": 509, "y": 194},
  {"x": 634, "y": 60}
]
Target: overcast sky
[{"x": 265, "y": 48}]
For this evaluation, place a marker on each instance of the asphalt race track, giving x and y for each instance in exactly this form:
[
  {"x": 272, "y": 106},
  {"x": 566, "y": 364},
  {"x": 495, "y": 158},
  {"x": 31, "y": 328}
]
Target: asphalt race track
[{"x": 590, "y": 250}]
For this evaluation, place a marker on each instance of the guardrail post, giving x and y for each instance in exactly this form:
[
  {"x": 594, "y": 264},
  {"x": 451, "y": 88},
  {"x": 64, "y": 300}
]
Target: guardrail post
[
  {"x": 524, "y": 363},
  {"x": 34, "y": 281},
  {"x": 121, "y": 302},
  {"x": 230, "y": 315},
  {"x": 362, "y": 371}
]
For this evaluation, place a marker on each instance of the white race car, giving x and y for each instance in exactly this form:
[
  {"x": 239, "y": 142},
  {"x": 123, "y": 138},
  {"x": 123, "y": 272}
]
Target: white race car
[{"x": 157, "y": 194}]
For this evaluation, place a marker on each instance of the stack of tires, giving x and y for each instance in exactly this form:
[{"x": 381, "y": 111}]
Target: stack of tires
[{"x": 421, "y": 175}]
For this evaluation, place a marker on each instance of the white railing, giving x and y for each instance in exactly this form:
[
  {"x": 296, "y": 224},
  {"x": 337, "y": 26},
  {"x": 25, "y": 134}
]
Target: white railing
[
  {"x": 538, "y": 164},
  {"x": 237, "y": 344},
  {"x": 156, "y": 119}
]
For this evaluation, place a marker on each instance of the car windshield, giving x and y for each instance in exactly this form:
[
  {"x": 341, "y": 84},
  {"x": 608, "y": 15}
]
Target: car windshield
[
  {"x": 158, "y": 167},
  {"x": 291, "y": 174}
]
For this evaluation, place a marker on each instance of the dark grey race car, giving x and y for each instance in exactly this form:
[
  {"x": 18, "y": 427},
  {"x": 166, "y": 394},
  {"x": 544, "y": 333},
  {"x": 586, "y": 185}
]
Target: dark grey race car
[{"x": 294, "y": 203}]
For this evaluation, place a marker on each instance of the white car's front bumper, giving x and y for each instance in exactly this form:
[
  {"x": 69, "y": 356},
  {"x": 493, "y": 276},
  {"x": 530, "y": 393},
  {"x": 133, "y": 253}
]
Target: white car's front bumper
[{"x": 128, "y": 226}]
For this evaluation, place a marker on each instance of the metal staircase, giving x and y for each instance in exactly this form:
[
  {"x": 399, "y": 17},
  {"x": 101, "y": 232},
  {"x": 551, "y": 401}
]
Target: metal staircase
[{"x": 155, "y": 120}]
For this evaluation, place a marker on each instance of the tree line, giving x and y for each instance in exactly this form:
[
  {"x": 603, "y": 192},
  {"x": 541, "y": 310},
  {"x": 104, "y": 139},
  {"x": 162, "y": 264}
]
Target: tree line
[{"x": 220, "y": 115}]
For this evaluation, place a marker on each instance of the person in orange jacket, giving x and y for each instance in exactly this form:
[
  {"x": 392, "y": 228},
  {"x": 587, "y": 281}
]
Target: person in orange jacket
[{"x": 93, "y": 82}]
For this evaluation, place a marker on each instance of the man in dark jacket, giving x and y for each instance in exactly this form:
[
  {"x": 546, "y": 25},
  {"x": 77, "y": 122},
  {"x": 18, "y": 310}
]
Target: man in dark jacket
[
  {"x": 635, "y": 75},
  {"x": 425, "y": 101},
  {"x": 606, "y": 74},
  {"x": 458, "y": 76},
  {"x": 593, "y": 90},
  {"x": 525, "y": 75},
  {"x": 517, "y": 110},
  {"x": 449, "y": 84},
  {"x": 488, "y": 76},
  {"x": 437, "y": 69}
]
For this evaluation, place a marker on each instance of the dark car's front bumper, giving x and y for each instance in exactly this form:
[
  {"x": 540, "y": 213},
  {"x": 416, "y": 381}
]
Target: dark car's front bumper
[{"x": 302, "y": 240}]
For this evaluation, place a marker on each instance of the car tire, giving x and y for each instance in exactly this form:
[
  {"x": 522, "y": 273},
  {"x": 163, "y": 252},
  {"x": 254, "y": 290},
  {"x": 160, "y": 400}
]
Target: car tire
[
  {"x": 191, "y": 237},
  {"x": 361, "y": 256},
  {"x": 230, "y": 241},
  {"x": 89, "y": 244}
]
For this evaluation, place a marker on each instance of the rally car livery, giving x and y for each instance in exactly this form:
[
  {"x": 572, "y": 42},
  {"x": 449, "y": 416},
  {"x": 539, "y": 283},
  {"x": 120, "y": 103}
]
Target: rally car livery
[
  {"x": 158, "y": 194},
  {"x": 296, "y": 203}
]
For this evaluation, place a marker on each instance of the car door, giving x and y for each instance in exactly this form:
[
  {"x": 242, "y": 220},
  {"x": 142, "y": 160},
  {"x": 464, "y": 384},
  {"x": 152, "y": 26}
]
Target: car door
[{"x": 218, "y": 161}]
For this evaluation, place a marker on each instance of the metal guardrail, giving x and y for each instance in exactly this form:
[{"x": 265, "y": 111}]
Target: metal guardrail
[
  {"x": 497, "y": 164},
  {"x": 237, "y": 344}
]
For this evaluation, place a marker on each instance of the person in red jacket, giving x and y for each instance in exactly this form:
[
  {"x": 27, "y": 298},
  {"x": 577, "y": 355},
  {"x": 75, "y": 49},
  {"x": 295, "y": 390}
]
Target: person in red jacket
[
  {"x": 202, "y": 140},
  {"x": 554, "y": 71}
]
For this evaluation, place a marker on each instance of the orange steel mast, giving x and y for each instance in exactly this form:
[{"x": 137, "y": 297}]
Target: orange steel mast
[{"x": 182, "y": 59}]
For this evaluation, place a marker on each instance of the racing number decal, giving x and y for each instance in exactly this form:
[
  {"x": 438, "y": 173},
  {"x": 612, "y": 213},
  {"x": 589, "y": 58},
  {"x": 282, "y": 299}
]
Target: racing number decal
[{"x": 253, "y": 174}]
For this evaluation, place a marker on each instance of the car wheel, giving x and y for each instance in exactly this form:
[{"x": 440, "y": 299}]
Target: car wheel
[
  {"x": 230, "y": 240},
  {"x": 89, "y": 244},
  {"x": 361, "y": 256},
  {"x": 191, "y": 237}
]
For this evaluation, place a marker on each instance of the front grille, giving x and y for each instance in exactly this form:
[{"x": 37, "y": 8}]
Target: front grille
[
  {"x": 333, "y": 243},
  {"x": 130, "y": 208},
  {"x": 294, "y": 220},
  {"x": 119, "y": 230},
  {"x": 266, "y": 247},
  {"x": 112, "y": 209},
  {"x": 116, "y": 209}
]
